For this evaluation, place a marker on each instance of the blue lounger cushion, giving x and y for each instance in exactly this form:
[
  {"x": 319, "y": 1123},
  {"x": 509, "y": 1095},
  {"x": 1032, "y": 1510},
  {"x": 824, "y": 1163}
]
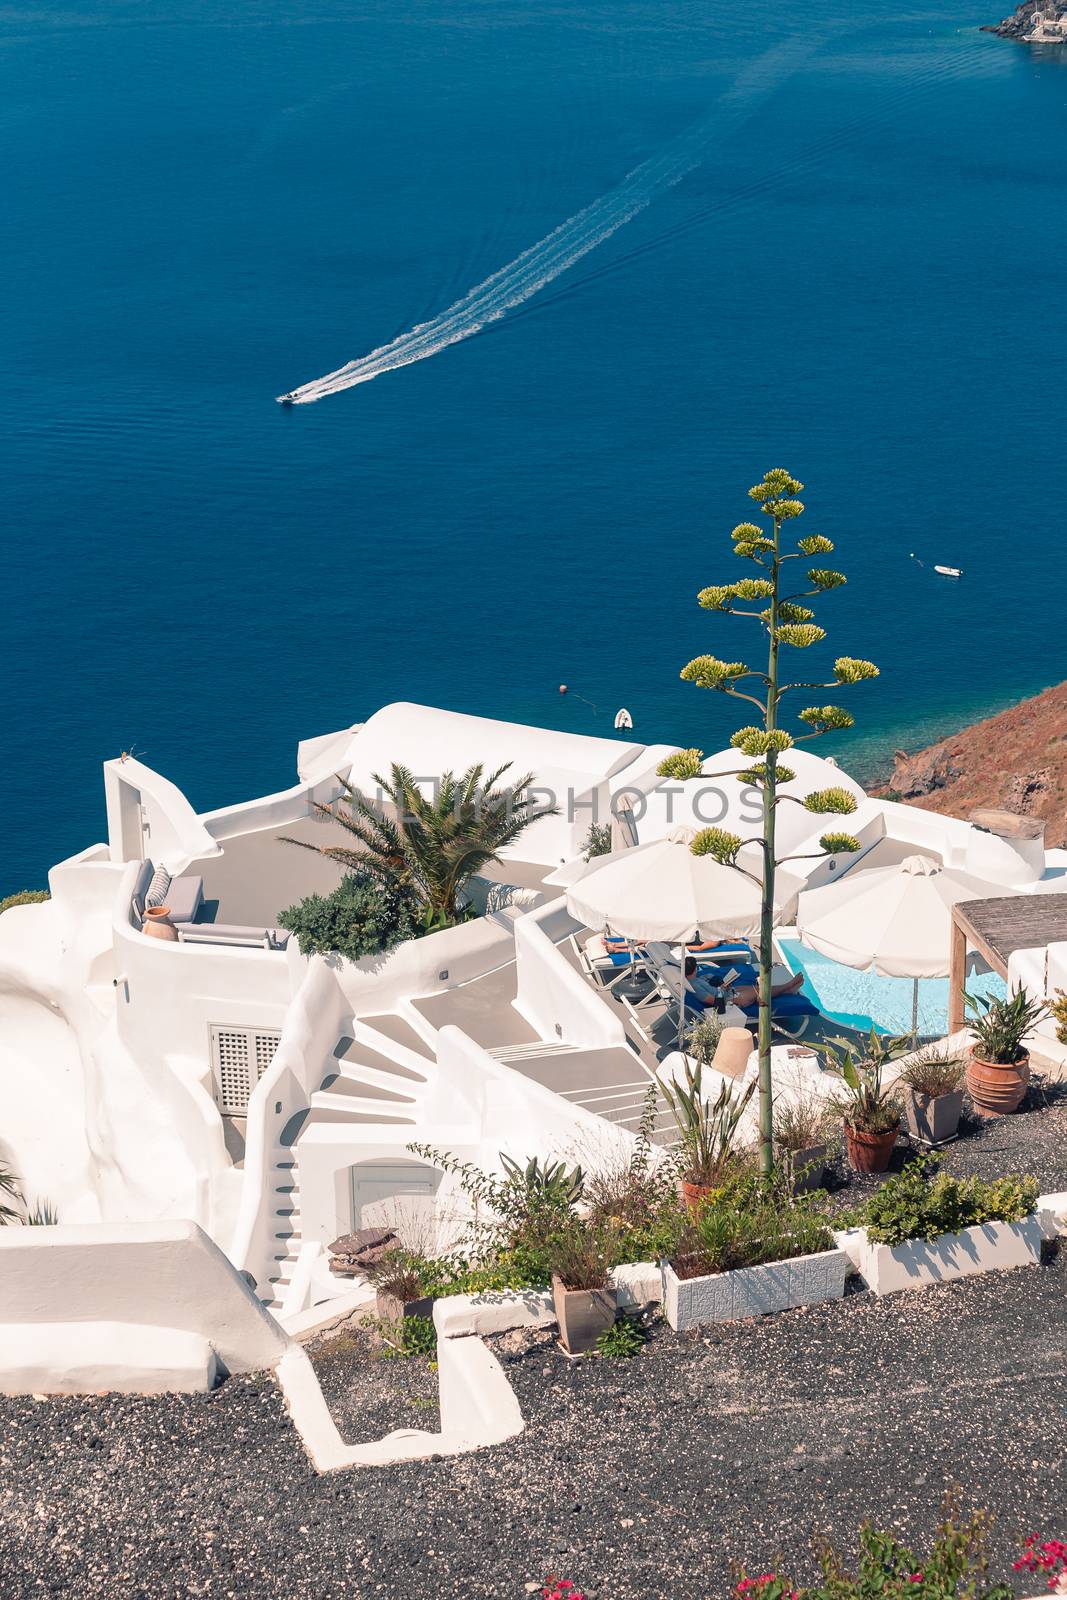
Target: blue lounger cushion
[{"x": 787, "y": 1005}]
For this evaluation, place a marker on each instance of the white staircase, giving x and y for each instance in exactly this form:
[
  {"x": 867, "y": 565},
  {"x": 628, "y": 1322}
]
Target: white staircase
[{"x": 378, "y": 1074}]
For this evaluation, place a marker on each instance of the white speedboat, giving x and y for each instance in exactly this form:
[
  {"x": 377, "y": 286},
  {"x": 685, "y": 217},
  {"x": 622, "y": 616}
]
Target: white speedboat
[
  {"x": 287, "y": 399},
  {"x": 950, "y": 572}
]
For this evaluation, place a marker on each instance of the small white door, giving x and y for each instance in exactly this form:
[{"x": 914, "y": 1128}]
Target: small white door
[{"x": 399, "y": 1195}]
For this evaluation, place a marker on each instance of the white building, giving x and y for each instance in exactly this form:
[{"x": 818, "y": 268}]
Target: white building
[{"x": 227, "y": 1079}]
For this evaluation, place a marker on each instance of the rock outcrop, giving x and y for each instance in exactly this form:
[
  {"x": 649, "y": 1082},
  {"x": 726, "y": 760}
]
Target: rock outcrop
[
  {"x": 1021, "y": 24},
  {"x": 1016, "y": 761}
]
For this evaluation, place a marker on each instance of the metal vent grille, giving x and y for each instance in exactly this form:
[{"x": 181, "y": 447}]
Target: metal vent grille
[{"x": 239, "y": 1058}]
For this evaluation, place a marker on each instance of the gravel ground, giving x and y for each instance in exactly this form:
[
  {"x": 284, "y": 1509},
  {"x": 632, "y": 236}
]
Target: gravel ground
[
  {"x": 369, "y": 1392},
  {"x": 640, "y": 1480}
]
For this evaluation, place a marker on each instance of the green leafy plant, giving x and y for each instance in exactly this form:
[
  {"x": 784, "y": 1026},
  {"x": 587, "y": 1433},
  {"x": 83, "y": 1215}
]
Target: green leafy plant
[
  {"x": 954, "y": 1568},
  {"x": 580, "y": 1255},
  {"x": 42, "y": 1214},
  {"x": 800, "y": 1124},
  {"x": 780, "y": 611},
  {"x": 682, "y": 765},
  {"x": 637, "y": 1197},
  {"x": 361, "y": 917},
  {"x": 748, "y": 1228},
  {"x": 403, "y": 1273},
  {"x": 706, "y": 1129},
  {"x": 910, "y": 1206},
  {"x": 1000, "y": 1026},
  {"x": 8, "y": 1186},
  {"x": 430, "y": 848},
  {"x": 412, "y": 1336},
  {"x": 702, "y": 1037},
  {"x": 867, "y": 1103},
  {"x": 551, "y": 1183},
  {"x": 24, "y": 897},
  {"x": 597, "y": 841},
  {"x": 625, "y": 1338},
  {"x": 1059, "y": 1015},
  {"x": 934, "y": 1071}
]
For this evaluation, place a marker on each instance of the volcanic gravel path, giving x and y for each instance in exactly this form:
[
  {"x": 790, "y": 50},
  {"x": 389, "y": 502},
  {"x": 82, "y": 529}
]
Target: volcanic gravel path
[
  {"x": 369, "y": 1392},
  {"x": 642, "y": 1478}
]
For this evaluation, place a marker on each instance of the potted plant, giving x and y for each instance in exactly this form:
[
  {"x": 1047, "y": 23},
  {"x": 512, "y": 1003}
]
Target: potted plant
[
  {"x": 706, "y": 1131},
  {"x": 932, "y": 1094},
  {"x": 918, "y": 1232},
  {"x": 399, "y": 1280},
  {"x": 998, "y": 1071},
  {"x": 750, "y": 1250},
  {"x": 869, "y": 1107},
  {"x": 580, "y": 1258},
  {"x": 800, "y": 1141}
]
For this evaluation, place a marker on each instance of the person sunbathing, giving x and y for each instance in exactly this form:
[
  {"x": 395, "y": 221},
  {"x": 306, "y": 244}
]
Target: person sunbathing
[{"x": 707, "y": 993}]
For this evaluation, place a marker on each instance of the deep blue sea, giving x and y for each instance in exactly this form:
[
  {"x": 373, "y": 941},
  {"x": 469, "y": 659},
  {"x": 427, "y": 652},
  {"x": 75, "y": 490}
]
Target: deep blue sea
[{"x": 849, "y": 261}]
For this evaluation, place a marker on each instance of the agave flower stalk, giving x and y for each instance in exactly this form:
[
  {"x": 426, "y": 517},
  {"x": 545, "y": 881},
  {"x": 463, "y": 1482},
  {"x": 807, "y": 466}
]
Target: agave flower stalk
[{"x": 787, "y": 621}]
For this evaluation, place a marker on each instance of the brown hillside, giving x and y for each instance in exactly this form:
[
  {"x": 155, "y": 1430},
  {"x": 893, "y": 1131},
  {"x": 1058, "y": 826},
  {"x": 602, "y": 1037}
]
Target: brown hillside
[{"x": 1016, "y": 760}]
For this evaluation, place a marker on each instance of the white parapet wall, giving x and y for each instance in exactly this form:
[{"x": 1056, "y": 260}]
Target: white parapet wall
[
  {"x": 554, "y": 998},
  {"x": 136, "y": 1307}
]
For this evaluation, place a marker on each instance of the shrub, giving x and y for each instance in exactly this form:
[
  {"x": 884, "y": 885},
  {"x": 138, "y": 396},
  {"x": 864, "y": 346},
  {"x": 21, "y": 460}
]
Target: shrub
[
  {"x": 799, "y": 1124},
  {"x": 955, "y": 1568},
  {"x": 702, "y": 1038},
  {"x": 581, "y": 1256},
  {"x": 1059, "y": 1015},
  {"x": 706, "y": 1130},
  {"x": 597, "y": 841},
  {"x": 624, "y": 1339},
  {"x": 909, "y": 1206},
  {"x": 25, "y": 897},
  {"x": 748, "y": 1228},
  {"x": 934, "y": 1072},
  {"x": 361, "y": 917}
]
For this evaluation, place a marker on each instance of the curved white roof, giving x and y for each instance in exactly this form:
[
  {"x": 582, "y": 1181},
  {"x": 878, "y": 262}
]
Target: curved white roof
[{"x": 431, "y": 741}]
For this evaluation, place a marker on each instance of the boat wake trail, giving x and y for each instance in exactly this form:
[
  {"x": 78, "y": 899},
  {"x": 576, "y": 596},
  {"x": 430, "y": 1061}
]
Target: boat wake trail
[{"x": 573, "y": 239}]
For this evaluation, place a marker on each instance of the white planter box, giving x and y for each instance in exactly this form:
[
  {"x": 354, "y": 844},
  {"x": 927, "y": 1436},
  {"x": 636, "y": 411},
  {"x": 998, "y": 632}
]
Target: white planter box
[
  {"x": 753, "y": 1291},
  {"x": 990, "y": 1247}
]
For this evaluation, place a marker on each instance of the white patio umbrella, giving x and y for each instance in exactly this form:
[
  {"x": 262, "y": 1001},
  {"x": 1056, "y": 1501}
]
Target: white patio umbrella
[
  {"x": 895, "y": 921},
  {"x": 662, "y": 891}
]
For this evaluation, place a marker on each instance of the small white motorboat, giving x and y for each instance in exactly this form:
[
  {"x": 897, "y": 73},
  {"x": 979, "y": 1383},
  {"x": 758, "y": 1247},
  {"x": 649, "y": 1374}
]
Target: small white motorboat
[
  {"x": 950, "y": 572},
  {"x": 287, "y": 399}
]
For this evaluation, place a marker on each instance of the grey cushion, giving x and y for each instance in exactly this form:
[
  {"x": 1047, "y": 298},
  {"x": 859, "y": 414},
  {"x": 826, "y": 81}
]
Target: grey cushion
[{"x": 184, "y": 898}]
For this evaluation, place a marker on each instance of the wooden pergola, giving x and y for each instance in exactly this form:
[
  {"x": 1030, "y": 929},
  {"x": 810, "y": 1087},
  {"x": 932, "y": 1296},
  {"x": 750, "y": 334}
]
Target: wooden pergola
[{"x": 997, "y": 928}]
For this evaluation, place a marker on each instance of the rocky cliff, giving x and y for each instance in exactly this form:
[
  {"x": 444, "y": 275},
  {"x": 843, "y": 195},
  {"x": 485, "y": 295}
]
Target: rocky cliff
[
  {"x": 1016, "y": 761},
  {"x": 1021, "y": 22}
]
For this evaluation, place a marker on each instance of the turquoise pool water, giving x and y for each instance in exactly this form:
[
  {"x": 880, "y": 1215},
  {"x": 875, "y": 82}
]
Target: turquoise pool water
[{"x": 857, "y": 999}]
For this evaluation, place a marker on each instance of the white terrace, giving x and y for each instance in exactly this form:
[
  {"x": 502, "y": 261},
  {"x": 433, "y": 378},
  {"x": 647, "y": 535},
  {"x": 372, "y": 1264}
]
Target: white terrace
[{"x": 228, "y": 1079}]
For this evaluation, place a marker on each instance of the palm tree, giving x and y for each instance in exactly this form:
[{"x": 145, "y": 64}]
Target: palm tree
[
  {"x": 430, "y": 848},
  {"x": 8, "y": 1186}
]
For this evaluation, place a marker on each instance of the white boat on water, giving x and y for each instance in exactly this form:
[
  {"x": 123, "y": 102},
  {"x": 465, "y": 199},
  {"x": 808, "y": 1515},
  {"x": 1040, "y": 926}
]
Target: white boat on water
[{"x": 950, "y": 572}]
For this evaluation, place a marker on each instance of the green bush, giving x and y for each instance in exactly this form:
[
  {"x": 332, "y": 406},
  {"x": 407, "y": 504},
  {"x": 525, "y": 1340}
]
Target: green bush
[
  {"x": 955, "y": 1568},
  {"x": 909, "y": 1206},
  {"x": 748, "y": 1225},
  {"x": 25, "y": 897},
  {"x": 362, "y": 917}
]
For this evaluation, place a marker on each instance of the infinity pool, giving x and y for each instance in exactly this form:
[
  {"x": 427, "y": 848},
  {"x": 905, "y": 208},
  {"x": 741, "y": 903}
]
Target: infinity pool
[{"x": 855, "y": 999}]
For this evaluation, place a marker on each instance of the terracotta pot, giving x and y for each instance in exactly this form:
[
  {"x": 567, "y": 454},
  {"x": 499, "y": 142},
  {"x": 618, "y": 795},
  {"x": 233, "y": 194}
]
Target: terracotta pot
[
  {"x": 932, "y": 1119},
  {"x": 997, "y": 1087},
  {"x": 870, "y": 1152},
  {"x": 157, "y": 924},
  {"x": 695, "y": 1194},
  {"x": 582, "y": 1314}
]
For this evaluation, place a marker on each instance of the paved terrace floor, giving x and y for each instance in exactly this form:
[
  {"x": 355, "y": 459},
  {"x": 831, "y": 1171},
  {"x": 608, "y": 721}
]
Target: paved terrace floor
[{"x": 639, "y": 1480}]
